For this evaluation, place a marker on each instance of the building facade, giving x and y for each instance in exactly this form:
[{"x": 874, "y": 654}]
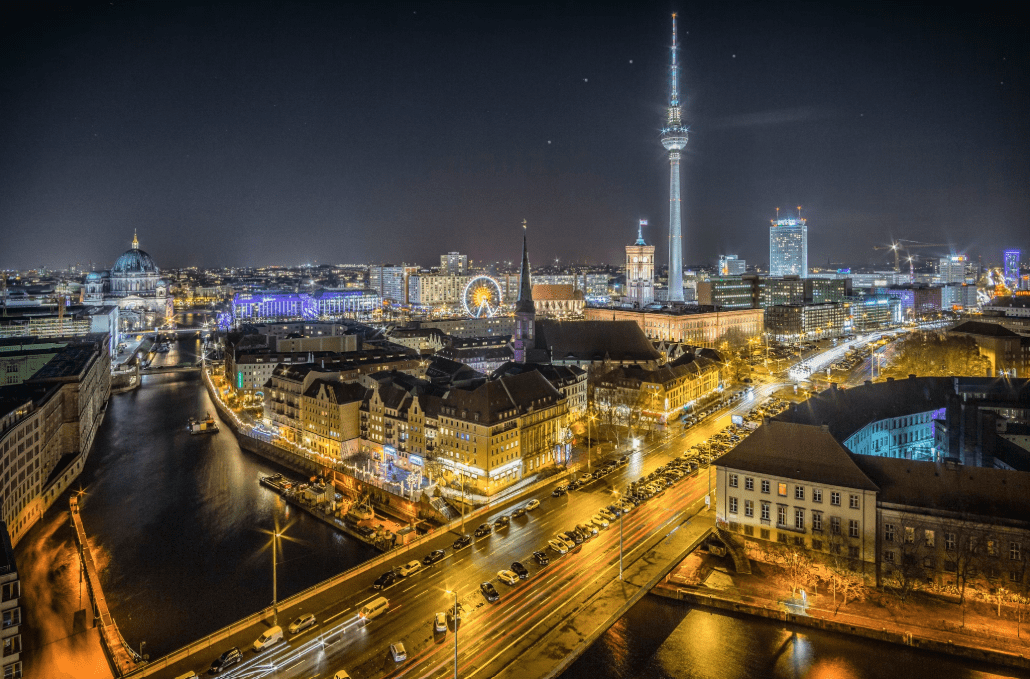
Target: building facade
[
  {"x": 135, "y": 286},
  {"x": 391, "y": 282},
  {"x": 731, "y": 265},
  {"x": 793, "y": 322},
  {"x": 639, "y": 270},
  {"x": 794, "y": 485},
  {"x": 277, "y": 305},
  {"x": 788, "y": 247},
  {"x": 454, "y": 264},
  {"x": 47, "y": 427},
  {"x": 698, "y": 326}
]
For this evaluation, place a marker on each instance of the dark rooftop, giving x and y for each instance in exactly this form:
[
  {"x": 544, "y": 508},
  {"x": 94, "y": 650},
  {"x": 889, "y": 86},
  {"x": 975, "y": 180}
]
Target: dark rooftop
[
  {"x": 941, "y": 486},
  {"x": 983, "y": 329},
  {"x": 796, "y": 451},
  {"x": 848, "y": 410},
  {"x": 592, "y": 341}
]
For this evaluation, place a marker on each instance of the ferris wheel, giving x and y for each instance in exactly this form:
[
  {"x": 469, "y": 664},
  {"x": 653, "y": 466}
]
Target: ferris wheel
[{"x": 482, "y": 297}]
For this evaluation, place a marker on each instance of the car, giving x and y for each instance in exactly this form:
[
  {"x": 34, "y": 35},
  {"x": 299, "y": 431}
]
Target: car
[
  {"x": 502, "y": 522},
  {"x": 559, "y": 491},
  {"x": 532, "y": 504},
  {"x": 462, "y": 542},
  {"x": 614, "y": 509},
  {"x": 440, "y": 623},
  {"x": 575, "y": 485},
  {"x": 302, "y": 623},
  {"x": 411, "y": 567},
  {"x": 627, "y": 505},
  {"x": 484, "y": 529},
  {"x": 586, "y": 477},
  {"x": 489, "y": 591},
  {"x": 600, "y": 521},
  {"x": 226, "y": 660},
  {"x": 624, "y": 459},
  {"x": 454, "y": 614},
  {"x": 432, "y": 557},
  {"x": 508, "y": 577},
  {"x": 558, "y": 546},
  {"x": 607, "y": 514},
  {"x": 572, "y": 535},
  {"x": 541, "y": 558},
  {"x": 521, "y": 570},
  {"x": 398, "y": 652},
  {"x": 268, "y": 638},
  {"x": 586, "y": 530},
  {"x": 518, "y": 513},
  {"x": 382, "y": 582},
  {"x": 342, "y": 674}
]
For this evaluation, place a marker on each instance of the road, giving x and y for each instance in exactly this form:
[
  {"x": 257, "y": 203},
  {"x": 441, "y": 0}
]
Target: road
[{"x": 488, "y": 630}]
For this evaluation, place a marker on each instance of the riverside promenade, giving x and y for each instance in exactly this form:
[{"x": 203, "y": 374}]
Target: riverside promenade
[
  {"x": 122, "y": 661},
  {"x": 973, "y": 631}
]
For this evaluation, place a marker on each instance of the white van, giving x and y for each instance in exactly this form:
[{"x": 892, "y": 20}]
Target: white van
[
  {"x": 374, "y": 608},
  {"x": 271, "y": 636}
]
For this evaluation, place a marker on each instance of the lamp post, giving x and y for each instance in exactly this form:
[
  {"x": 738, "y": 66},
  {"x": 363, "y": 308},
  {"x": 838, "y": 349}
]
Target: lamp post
[
  {"x": 622, "y": 513},
  {"x": 455, "y": 618},
  {"x": 275, "y": 578},
  {"x": 590, "y": 440}
]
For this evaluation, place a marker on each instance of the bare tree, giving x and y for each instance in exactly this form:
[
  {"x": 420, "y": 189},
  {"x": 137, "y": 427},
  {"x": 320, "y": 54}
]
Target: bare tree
[
  {"x": 844, "y": 582},
  {"x": 797, "y": 567}
]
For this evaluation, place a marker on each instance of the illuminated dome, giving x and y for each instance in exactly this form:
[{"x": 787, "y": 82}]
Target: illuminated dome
[
  {"x": 94, "y": 277},
  {"x": 134, "y": 261}
]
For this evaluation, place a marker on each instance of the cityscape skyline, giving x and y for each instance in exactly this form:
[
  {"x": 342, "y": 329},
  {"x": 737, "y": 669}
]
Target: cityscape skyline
[{"x": 212, "y": 157}]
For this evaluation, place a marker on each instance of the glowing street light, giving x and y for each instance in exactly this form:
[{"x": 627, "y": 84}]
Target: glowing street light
[
  {"x": 622, "y": 513},
  {"x": 455, "y": 618}
]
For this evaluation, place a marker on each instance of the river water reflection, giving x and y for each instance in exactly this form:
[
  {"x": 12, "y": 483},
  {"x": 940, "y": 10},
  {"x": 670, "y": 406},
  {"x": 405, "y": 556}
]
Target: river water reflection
[
  {"x": 183, "y": 523},
  {"x": 664, "y": 639}
]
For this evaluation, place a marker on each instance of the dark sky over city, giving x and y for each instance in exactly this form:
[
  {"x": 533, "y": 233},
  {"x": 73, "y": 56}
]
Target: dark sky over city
[{"x": 277, "y": 133}]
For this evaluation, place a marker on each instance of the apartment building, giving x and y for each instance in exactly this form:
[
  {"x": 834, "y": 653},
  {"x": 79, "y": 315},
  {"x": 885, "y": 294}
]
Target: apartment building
[{"x": 796, "y": 485}]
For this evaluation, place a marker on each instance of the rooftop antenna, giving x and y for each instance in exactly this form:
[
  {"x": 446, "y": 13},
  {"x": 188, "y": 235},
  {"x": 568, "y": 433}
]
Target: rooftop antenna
[
  {"x": 799, "y": 212},
  {"x": 777, "y": 214}
]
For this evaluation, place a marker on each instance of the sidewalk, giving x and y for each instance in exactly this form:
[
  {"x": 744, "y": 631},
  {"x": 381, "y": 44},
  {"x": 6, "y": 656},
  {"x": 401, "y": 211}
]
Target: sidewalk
[{"x": 971, "y": 631}]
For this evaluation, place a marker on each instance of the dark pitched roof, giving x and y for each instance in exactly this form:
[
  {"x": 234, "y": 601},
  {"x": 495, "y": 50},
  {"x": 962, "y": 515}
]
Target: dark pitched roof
[
  {"x": 796, "y": 451},
  {"x": 983, "y": 329},
  {"x": 339, "y": 392},
  {"x": 591, "y": 341},
  {"x": 503, "y": 398},
  {"x": 993, "y": 493},
  {"x": 441, "y": 369},
  {"x": 558, "y": 375},
  {"x": 848, "y": 410}
]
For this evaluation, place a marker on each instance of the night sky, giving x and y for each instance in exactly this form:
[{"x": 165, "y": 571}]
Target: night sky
[{"x": 271, "y": 133}]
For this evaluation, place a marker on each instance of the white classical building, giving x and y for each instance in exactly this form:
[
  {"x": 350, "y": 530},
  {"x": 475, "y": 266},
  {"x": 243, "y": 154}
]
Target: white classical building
[{"x": 135, "y": 286}]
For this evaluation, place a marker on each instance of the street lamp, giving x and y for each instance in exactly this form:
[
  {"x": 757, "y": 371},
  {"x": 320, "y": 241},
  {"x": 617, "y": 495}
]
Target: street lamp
[
  {"x": 589, "y": 439},
  {"x": 622, "y": 513},
  {"x": 455, "y": 618}
]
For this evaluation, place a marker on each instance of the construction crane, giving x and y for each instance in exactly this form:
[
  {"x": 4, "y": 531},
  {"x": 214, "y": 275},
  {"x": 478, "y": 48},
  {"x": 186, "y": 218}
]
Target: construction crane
[{"x": 906, "y": 245}]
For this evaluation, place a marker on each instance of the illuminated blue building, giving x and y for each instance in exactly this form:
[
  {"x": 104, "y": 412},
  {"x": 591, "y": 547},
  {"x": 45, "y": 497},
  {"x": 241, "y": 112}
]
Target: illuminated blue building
[{"x": 279, "y": 305}]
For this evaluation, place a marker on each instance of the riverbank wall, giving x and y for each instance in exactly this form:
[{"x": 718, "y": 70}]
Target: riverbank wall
[{"x": 962, "y": 648}]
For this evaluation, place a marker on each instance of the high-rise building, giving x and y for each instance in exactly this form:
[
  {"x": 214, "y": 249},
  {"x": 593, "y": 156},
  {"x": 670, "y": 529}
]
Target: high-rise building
[
  {"x": 454, "y": 264},
  {"x": 1012, "y": 268},
  {"x": 525, "y": 310},
  {"x": 640, "y": 270},
  {"x": 788, "y": 247},
  {"x": 952, "y": 269},
  {"x": 731, "y": 265},
  {"x": 391, "y": 282},
  {"x": 674, "y": 139}
]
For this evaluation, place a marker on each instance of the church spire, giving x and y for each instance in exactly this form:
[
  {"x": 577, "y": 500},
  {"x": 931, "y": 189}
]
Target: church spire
[
  {"x": 135, "y": 241},
  {"x": 525, "y": 300}
]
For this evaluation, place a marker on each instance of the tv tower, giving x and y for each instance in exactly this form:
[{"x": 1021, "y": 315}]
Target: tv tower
[{"x": 674, "y": 139}]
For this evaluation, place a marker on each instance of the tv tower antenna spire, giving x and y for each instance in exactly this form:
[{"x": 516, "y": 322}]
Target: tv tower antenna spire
[{"x": 674, "y": 139}]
